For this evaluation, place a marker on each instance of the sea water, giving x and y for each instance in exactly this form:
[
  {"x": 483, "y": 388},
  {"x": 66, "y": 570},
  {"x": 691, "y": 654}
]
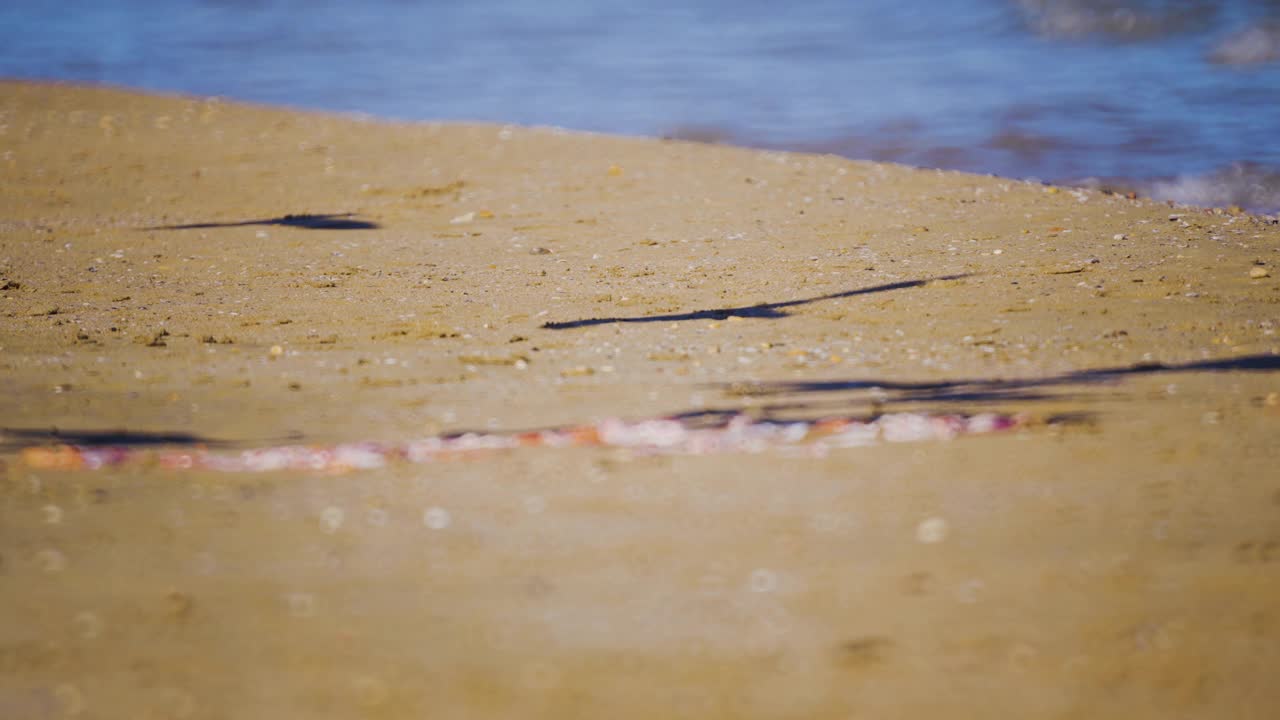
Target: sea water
[{"x": 1180, "y": 99}]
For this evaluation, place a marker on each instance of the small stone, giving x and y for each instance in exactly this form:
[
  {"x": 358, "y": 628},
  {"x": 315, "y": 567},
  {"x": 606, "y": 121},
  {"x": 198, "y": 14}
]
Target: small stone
[
  {"x": 1259, "y": 272},
  {"x": 275, "y": 351},
  {"x": 463, "y": 218},
  {"x": 153, "y": 340},
  {"x": 179, "y": 604}
]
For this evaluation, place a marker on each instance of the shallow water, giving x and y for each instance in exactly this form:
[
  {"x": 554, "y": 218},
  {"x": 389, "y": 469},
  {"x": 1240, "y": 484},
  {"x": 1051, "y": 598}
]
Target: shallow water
[{"x": 1184, "y": 92}]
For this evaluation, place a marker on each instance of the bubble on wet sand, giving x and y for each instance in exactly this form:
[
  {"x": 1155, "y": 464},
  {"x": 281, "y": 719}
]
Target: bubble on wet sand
[
  {"x": 762, "y": 580},
  {"x": 969, "y": 591},
  {"x": 174, "y": 703},
  {"x": 436, "y": 518},
  {"x": 378, "y": 517},
  {"x": 88, "y": 625},
  {"x": 331, "y": 519},
  {"x": 301, "y": 604},
  {"x": 932, "y": 530},
  {"x": 826, "y": 523},
  {"x": 371, "y": 691},
  {"x": 205, "y": 563},
  {"x": 51, "y": 560},
  {"x": 70, "y": 698},
  {"x": 539, "y": 676}
]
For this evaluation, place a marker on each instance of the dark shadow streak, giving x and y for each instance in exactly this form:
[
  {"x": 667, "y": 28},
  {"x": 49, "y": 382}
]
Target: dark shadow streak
[
  {"x": 328, "y": 221},
  {"x": 770, "y": 311},
  {"x": 795, "y": 401},
  {"x": 16, "y": 438},
  {"x": 998, "y": 389},
  {"x": 719, "y": 418}
]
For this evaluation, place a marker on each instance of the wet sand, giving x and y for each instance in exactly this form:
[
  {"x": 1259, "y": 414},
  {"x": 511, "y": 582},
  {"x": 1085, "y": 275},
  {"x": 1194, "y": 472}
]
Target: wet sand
[{"x": 258, "y": 276}]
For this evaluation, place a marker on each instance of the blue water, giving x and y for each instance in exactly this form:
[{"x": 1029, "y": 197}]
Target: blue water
[{"x": 1061, "y": 90}]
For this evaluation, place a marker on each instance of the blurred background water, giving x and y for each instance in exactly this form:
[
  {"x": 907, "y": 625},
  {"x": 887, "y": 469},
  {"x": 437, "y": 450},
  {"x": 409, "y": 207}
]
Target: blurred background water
[{"x": 1179, "y": 99}]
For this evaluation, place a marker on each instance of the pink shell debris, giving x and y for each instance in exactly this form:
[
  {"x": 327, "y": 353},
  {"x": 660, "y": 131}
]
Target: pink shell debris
[{"x": 739, "y": 434}]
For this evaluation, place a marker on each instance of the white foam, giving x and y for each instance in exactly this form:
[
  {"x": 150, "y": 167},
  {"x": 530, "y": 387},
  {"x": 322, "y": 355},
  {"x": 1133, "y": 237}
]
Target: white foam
[
  {"x": 1251, "y": 46},
  {"x": 1248, "y": 185}
]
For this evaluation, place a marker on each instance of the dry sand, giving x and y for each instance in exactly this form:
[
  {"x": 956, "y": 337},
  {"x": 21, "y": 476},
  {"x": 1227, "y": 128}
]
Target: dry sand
[{"x": 1123, "y": 565}]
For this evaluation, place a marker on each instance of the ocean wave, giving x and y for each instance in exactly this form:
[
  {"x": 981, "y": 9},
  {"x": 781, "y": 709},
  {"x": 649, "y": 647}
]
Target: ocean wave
[
  {"x": 1246, "y": 185},
  {"x": 1252, "y": 46},
  {"x": 1115, "y": 19}
]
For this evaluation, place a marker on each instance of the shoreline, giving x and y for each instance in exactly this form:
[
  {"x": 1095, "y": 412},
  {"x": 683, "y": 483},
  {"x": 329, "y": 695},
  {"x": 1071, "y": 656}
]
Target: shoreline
[{"x": 1240, "y": 186}]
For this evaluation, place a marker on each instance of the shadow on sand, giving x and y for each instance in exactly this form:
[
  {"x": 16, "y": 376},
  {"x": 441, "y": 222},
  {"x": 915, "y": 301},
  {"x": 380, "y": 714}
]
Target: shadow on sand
[
  {"x": 327, "y": 221},
  {"x": 1065, "y": 387},
  {"x": 770, "y": 311},
  {"x": 17, "y": 438}
]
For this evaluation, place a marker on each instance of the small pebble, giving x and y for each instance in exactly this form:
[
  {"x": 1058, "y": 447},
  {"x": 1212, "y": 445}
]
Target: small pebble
[{"x": 1259, "y": 272}]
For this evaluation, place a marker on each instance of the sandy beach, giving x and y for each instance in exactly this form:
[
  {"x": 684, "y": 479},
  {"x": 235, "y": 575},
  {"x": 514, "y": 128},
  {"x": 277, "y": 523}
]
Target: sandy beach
[{"x": 190, "y": 271}]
